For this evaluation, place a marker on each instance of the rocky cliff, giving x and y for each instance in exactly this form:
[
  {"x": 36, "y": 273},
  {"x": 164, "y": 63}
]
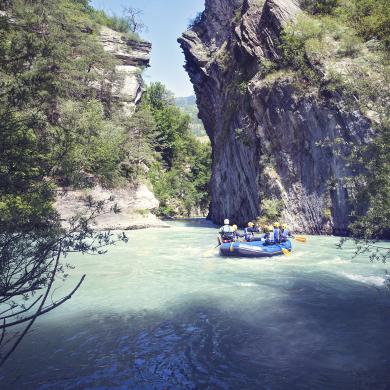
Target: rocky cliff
[
  {"x": 266, "y": 128},
  {"x": 135, "y": 202},
  {"x": 133, "y": 56}
]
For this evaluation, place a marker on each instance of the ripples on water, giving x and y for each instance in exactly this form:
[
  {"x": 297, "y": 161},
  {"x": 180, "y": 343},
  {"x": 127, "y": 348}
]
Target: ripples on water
[{"x": 158, "y": 313}]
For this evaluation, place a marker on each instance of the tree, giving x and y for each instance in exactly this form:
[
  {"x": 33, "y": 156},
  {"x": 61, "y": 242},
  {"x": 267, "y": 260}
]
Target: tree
[
  {"x": 49, "y": 70},
  {"x": 134, "y": 20},
  {"x": 320, "y": 6},
  {"x": 30, "y": 263},
  {"x": 181, "y": 180}
]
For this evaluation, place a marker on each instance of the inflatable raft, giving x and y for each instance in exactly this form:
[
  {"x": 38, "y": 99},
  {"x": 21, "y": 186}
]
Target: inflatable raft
[{"x": 253, "y": 249}]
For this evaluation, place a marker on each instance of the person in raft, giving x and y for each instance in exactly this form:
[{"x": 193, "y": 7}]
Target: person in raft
[
  {"x": 226, "y": 232},
  {"x": 284, "y": 233},
  {"x": 269, "y": 236},
  {"x": 277, "y": 232},
  {"x": 237, "y": 234},
  {"x": 249, "y": 231}
]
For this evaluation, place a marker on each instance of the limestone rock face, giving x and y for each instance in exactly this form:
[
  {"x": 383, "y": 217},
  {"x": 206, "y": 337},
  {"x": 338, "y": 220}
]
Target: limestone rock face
[
  {"x": 267, "y": 129},
  {"x": 135, "y": 202},
  {"x": 135, "y": 206},
  {"x": 133, "y": 56}
]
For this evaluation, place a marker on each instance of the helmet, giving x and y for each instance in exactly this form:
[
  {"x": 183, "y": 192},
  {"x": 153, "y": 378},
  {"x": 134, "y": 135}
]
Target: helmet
[
  {"x": 251, "y": 224},
  {"x": 276, "y": 224},
  {"x": 226, "y": 222},
  {"x": 270, "y": 228},
  {"x": 235, "y": 228},
  {"x": 284, "y": 226}
]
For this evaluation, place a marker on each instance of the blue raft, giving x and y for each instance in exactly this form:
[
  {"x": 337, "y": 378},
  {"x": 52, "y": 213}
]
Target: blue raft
[{"x": 253, "y": 249}]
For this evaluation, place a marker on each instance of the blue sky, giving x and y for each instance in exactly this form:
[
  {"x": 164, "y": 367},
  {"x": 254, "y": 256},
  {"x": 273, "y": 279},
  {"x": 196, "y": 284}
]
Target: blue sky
[{"x": 166, "y": 20}]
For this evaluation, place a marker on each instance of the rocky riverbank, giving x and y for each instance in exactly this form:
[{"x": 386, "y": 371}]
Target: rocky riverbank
[{"x": 128, "y": 208}]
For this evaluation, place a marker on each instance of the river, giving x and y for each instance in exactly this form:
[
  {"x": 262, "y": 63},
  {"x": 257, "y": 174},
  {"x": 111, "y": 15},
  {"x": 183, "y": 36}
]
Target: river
[{"x": 157, "y": 313}]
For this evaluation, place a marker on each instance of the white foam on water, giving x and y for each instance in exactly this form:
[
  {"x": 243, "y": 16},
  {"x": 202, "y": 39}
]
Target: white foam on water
[
  {"x": 246, "y": 284},
  {"x": 335, "y": 260},
  {"x": 369, "y": 280}
]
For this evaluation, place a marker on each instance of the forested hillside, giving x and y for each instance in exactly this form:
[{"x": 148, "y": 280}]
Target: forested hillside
[
  {"x": 188, "y": 105},
  {"x": 58, "y": 118},
  {"x": 63, "y": 125}
]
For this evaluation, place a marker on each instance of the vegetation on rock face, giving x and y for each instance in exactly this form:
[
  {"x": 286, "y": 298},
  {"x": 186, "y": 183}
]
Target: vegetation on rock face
[
  {"x": 271, "y": 211},
  {"x": 130, "y": 23},
  {"x": 349, "y": 41}
]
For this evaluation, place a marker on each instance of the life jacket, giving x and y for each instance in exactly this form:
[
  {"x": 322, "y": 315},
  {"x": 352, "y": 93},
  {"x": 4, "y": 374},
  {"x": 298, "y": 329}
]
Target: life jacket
[
  {"x": 227, "y": 233},
  {"x": 269, "y": 237},
  {"x": 284, "y": 234}
]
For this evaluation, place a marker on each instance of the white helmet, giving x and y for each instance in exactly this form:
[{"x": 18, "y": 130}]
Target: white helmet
[{"x": 226, "y": 222}]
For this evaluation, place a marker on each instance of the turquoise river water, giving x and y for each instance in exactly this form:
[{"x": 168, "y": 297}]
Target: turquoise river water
[{"x": 157, "y": 313}]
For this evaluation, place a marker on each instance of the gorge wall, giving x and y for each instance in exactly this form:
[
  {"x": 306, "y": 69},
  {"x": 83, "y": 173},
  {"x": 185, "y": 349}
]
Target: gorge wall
[
  {"x": 135, "y": 202},
  {"x": 266, "y": 127}
]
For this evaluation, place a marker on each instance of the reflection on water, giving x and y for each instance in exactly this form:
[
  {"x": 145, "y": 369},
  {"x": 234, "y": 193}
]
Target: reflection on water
[{"x": 158, "y": 314}]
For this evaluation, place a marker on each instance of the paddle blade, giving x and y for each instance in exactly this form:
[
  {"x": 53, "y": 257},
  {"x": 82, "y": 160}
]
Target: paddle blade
[
  {"x": 286, "y": 252},
  {"x": 300, "y": 239}
]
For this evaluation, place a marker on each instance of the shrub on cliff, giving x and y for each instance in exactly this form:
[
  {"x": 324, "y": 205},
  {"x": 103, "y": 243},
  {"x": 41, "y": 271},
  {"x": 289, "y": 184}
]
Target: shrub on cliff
[
  {"x": 370, "y": 18},
  {"x": 319, "y": 6}
]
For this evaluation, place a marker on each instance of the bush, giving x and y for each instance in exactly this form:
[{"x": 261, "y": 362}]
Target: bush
[
  {"x": 294, "y": 39},
  {"x": 315, "y": 50},
  {"x": 323, "y": 7},
  {"x": 370, "y": 18},
  {"x": 327, "y": 214},
  {"x": 350, "y": 45},
  {"x": 271, "y": 211}
]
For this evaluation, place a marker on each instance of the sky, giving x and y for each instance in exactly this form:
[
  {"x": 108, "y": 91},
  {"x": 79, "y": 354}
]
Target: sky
[{"x": 166, "y": 20}]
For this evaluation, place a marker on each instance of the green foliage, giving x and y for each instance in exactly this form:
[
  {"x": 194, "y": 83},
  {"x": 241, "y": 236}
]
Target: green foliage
[
  {"x": 370, "y": 18},
  {"x": 180, "y": 179},
  {"x": 350, "y": 44},
  {"x": 138, "y": 148},
  {"x": 297, "y": 39},
  {"x": 51, "y": 123},
  {"x": 271, "y": 211},
  {"x": 96, "y": 144},
  {"x": 45, "y": 60},
  {"x": 129, "y": 23},
  {"x": 372, "y": 186},
  {"x": 327, "y": 213},
  {"x": 189, "y": 106},
  {"x": 316, "y": 7}
]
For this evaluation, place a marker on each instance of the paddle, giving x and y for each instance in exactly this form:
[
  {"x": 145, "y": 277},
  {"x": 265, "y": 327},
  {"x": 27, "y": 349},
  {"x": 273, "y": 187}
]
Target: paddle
[
  {"x": 212, "y": 250},
  {"x": 286, "y": 252},
  {"x": 300, "y": 239}
]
